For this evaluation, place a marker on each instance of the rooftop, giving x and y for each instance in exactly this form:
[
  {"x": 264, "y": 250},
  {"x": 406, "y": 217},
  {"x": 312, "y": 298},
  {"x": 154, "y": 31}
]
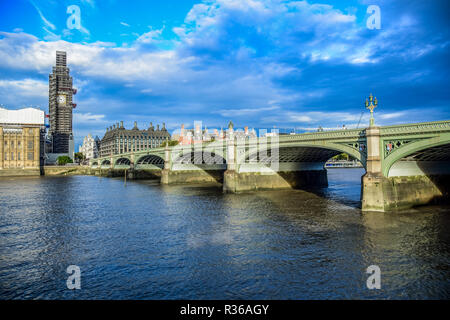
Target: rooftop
[{"x": 22, "y": 116}]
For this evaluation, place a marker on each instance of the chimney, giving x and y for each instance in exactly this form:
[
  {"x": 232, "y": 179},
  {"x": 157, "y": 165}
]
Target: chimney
[
  {"x": 157, "y": 127},
  {"x": 197, "y": 128},
  {"x": 121, "y": 124},
  {"x": 182, "y": 130},
  {"x": 246, "y": 130}
]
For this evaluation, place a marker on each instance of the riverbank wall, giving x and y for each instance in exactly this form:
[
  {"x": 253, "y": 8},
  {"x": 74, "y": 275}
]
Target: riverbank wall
[
  {"x": 84, "y": 170},
  {"x": 19, "y": 172}
]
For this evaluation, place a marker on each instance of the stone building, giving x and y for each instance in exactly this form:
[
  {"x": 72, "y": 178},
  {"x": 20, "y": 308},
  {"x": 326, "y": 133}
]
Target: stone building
[
  {"x": 200, "y": 135},
  {"x": 117, "y": 139},
  {"x": 89, "y": 147},
  {"x": 21, "y": 141}
]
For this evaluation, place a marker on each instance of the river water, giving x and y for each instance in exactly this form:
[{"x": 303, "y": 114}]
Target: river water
[{"x": 146, "y": 241}]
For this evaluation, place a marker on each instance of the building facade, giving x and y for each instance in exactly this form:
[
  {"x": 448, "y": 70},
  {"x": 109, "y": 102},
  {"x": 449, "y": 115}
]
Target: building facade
[
  {"x": 21, "y": 140},
  {"x": 89, "y": 147},
  {"x": 118, "y": 139},
  {"x": 60, "y": 106},
  {"x": 199, "y": 135}
]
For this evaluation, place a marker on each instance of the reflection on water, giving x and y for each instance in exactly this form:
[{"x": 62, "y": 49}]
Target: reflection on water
[{"x": 146, "y": 241}]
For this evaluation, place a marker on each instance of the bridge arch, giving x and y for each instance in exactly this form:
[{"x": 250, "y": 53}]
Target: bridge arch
[
  {"x": 106, "y": 162},
  {"x": 150, "y": 161},
  {"x": 319, "y": 152},
  {"x": 200, "y": 166},
  {"x": 122, "y": 162},
  {"x": 95, "y": 163},
  {"x": 199, "y": 158},
  {"x": 438, "y": 147}
]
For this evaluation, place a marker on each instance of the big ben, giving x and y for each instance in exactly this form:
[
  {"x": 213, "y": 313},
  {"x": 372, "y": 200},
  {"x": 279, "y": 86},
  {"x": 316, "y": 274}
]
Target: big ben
[{"x": 60, "y": 106}]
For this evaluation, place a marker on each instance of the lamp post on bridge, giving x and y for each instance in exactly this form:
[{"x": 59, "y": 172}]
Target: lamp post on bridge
[
  {"x": 373, "y": 181},
  {"x": 371, "y": 104}
]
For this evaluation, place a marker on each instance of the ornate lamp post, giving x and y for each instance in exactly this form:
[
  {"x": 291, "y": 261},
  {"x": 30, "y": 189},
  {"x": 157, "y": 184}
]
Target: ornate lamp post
[{"x": 371, "y": 104}]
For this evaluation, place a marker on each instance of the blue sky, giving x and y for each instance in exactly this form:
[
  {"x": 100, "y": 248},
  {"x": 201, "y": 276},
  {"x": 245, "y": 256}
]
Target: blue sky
[{"x": 261, "y": 63}]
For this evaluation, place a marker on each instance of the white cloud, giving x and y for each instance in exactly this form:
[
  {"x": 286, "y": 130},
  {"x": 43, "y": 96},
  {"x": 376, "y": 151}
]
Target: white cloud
[
  {"x": 46, "y": 22},
  {"x": 51, "y": 36},
  {"x": 393, "y": 115},
  {"x": 244, "y": 112},
  {"x": 89, "y": 2},
  {"x": 26, "y": 92},
  {"x": 300, "y": 118},
  {"x": 88, "y": 117},
  {"x": 26, "y": 87},
  {"x": 151, "y": 36}
]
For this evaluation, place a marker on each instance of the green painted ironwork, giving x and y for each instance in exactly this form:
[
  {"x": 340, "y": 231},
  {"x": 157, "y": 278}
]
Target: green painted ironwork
[{"x": 396, "y": 142}]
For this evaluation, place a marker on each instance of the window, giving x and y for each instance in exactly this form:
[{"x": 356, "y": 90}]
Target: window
[
  {"x": 18, "y": 155},
  {"x": 6, "y": 143},
  {"x": 12, "y": 144},
  {"x": 6, "y": 155},
  {"x": 18, "y": 143},
  {"x": 30, "y": 144},
  {"x": 12, "y": 155},
  {"x": 30, "y": 156}
]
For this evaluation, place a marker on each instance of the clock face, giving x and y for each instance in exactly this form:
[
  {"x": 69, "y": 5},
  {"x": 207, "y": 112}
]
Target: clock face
[{"x": 62, "y": 99}]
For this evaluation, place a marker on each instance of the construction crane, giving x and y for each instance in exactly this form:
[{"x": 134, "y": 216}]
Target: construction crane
[{"x": 362, "y": 113}]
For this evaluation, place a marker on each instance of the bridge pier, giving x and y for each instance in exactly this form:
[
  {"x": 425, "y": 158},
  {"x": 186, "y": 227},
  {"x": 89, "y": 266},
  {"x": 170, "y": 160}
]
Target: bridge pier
[
  {"x": 407, "y": 184},
  {"x": 402, "y": 192},
  {"x": 179, "y": 173},
  {"x": 374, "y": 187},
  {"x": 241, "y": 176},
  {"x": 191, "y": 176},
  {"x": 235, "y": 182}
]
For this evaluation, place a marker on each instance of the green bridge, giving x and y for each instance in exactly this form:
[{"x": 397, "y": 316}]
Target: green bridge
[{"x": 406, "y": 165}]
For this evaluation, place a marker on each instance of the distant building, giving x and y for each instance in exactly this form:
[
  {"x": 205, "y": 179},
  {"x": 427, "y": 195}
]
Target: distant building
[
  {"x": 89, "y": 148},
  {"x": 197, "y": 135},
  {"x": 246, "y": 134},
  {"x": 21, "y": 141},
  {"x": 97, "y": 145},
  {"x": 117, "y": 139},
  {"x": 60, "y": 105}
]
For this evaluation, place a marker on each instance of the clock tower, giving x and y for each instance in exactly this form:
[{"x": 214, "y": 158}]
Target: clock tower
[{"x": 60, "y": 106}]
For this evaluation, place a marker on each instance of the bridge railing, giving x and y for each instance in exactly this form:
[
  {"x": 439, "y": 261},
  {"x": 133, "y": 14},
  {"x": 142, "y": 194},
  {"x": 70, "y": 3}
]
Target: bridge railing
[{"x": 422, "y": 127}]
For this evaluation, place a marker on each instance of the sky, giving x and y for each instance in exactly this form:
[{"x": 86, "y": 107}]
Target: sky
[{"x": 260, "y": 63}]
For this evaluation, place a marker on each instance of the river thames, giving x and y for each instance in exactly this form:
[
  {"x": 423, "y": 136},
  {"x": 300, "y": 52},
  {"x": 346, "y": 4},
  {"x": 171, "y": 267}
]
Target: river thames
[{"x": 146, "y": 241}]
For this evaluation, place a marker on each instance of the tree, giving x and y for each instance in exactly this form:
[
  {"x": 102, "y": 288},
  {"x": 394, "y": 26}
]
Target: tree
[
  {"x": 79, "y": 157},
  {"x": 63, "y": 160},
  {"x": 343, "y": 156},
  {"x": 172, "y": 143}
]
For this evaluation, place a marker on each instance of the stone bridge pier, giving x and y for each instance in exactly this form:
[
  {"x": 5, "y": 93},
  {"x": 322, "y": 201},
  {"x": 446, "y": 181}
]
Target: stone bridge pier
[
  {"x": 192, "y": 165},
  {"x": 408, "y": 170},
  {"x": 268, "y": 170}
]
